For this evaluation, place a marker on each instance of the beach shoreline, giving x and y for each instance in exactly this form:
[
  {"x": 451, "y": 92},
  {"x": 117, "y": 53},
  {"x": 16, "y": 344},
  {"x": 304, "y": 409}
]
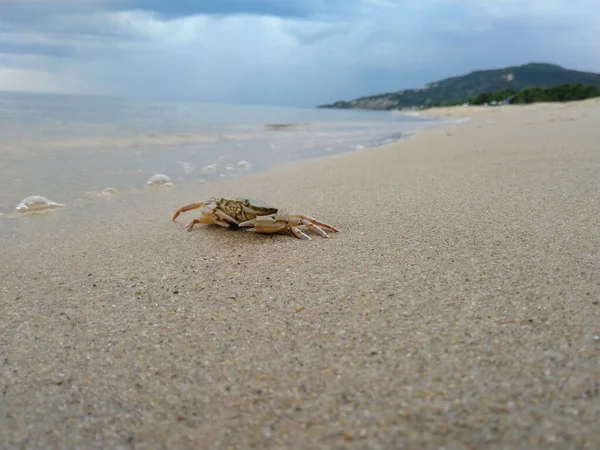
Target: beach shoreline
[
  {"x": 457, "y": 306},
  {"x": 68, "y": 156}
]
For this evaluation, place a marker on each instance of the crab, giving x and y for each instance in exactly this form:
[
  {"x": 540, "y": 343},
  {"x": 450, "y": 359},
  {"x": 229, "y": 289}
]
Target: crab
[{"x": 243, "y": 212}]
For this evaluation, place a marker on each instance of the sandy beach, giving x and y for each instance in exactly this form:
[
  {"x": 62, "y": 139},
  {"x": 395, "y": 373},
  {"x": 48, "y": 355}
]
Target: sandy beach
[{"x": 458, "y": 307}]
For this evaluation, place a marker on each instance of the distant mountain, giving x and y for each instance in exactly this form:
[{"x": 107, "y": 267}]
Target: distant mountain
[{"x": 459, "y": 89}]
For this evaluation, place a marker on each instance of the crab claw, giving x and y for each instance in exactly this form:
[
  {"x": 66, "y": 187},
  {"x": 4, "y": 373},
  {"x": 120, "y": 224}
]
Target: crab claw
[
  {"x": 269, "y": 224},
  {"x": 186, "y": 208},
  {"x": 265, "y": 224},
  {"x": 284, "y": 223}
]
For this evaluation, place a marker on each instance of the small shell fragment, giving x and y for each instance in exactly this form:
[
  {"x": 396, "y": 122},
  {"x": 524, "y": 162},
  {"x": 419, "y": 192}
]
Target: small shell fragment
[
  {"x": 37, "y": 203},
  {"x": 159, "y": 179}
]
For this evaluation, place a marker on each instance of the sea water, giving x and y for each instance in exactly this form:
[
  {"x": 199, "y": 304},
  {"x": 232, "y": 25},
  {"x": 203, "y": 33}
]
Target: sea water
[{"x": 62, "y": 146}]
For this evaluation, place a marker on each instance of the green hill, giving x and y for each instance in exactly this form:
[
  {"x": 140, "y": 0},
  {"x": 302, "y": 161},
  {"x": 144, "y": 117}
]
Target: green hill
[{"x": 458, "y": 89}]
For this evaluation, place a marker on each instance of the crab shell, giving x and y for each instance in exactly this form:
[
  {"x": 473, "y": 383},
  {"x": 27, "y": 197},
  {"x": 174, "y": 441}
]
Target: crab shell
[{"x": 228, "y": 213}]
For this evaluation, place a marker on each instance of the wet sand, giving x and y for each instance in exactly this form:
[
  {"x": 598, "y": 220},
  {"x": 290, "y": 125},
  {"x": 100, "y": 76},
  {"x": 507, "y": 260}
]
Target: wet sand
[{"x": 458, "y": 307}]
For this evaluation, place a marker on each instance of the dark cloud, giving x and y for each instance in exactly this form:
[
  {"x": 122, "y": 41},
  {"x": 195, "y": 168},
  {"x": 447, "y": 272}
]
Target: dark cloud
[{"x": 60, "y": 28}]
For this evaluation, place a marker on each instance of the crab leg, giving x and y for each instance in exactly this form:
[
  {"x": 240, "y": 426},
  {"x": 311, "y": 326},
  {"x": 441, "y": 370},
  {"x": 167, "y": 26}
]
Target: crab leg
[
  {"x": 190, "y": 225},
  {"x": 315, "y": 228},
  {"x": 299, "y": 234},
  {"x": 225, "y": 217},
  {"x": 207, "y": 219},
  {"x": 317, "y": 222},
  {"x": 186, "y": 208}
]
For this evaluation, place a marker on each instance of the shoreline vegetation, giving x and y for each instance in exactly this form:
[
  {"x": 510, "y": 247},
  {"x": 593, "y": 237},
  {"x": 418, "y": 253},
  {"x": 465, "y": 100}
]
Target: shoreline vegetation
[
  {"x": 530, "y": 83},
  {"x": 561, "y": 93}
]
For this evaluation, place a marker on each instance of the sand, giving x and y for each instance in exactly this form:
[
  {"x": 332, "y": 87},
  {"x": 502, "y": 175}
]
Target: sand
[{"x": 457, "y": 308}]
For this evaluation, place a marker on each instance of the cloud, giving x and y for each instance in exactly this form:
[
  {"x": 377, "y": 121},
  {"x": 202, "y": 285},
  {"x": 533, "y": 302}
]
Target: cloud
[
  {"x": 281, "y": 52},
  {"x": 273, "y": 8},
  {"x": 172, "y": 9}
]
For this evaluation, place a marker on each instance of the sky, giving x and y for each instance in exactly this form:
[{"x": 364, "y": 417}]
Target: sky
[{"x": 281, "y": 52}]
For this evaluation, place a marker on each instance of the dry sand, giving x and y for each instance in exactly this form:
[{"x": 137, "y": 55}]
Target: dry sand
[{"x": 458, "y": 307}]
